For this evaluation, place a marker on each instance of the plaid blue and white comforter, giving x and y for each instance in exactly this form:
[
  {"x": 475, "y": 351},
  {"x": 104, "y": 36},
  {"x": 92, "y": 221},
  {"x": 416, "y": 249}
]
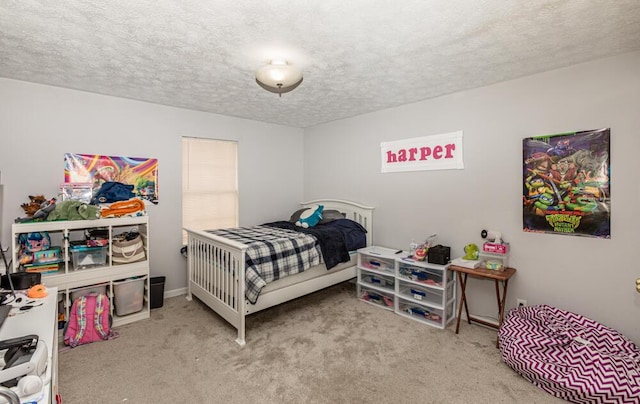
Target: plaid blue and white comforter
[{"x": 272, "y": 254}]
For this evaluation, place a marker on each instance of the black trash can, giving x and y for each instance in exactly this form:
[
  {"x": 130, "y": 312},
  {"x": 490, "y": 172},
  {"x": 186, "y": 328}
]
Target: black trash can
[{"x": 157, "y": 291}]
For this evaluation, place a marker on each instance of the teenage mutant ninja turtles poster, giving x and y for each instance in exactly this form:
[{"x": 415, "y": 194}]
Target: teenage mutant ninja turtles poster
[{"x": 566, "y": 184}]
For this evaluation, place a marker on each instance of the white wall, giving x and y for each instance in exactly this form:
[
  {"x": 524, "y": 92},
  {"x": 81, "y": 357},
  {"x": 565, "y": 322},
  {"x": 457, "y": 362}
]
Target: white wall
[
  {"x": 38, "y": 124},
  {"x": 594, "y": 277}
]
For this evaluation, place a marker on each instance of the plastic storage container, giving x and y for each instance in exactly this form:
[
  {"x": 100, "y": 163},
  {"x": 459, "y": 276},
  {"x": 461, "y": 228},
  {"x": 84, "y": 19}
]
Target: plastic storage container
[
  {"x": 420, "y": 313},
  {"x": 380, "y": 281},
  {"x": 87, "y": 257},
  {"x": 376, "y": 297},
  {"x": 420, "y": 293},
  {"x": 79, "y": 292},
  {"x": 377, "y": 259},
  {"x": 428, "y": 276},
  {"x": 128, "y": 295}
]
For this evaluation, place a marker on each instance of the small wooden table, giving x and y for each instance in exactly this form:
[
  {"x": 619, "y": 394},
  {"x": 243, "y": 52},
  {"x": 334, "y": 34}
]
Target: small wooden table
[{"x": 498, "y": 276}]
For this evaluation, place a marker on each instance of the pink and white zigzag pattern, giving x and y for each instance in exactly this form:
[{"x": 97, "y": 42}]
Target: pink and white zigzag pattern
[{"x": 570, "y": 356}]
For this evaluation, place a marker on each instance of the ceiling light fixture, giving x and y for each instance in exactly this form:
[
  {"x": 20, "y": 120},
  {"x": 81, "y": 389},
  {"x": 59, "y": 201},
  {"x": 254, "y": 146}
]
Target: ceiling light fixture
[{"x": 278, "y": 77}]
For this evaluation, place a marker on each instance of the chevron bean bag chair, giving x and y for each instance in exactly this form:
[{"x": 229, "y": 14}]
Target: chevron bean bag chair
[{"x": 570, "y": 356}]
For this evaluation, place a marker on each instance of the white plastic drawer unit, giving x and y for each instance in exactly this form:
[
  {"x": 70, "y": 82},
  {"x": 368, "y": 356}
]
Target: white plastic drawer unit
[{"x": 377, "y": 280}]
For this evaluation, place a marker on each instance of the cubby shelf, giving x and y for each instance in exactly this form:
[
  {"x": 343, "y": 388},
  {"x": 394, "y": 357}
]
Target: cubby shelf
[{"x": 69, "y": 279}]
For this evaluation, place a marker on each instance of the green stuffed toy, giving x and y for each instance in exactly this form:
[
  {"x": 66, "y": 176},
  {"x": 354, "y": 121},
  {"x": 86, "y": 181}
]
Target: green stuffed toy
[
  {"x": 74, "y": 210},
  {"x": 310, "y": 217},
  {"x": 471, "y": 252}
]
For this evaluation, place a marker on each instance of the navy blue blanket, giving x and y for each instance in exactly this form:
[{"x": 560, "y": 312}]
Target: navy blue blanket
[{"x": 331, "y": 240}]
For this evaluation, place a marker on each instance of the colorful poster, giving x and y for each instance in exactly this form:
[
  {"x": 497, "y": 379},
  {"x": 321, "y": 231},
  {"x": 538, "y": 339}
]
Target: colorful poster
[
  {"x": 566, "y": 184},
  {"x": 142, "y": 173}
]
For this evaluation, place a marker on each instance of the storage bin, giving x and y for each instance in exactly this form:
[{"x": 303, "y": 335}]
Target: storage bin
[
  {"x": 79, "y": 292},
  {"x": 422, "y": 275},
  {"x": 128, "y": 295},
  {"x": 419, "y": 312},
  {"x": 375, "y": 262},
  {"x": 87, "y": 257},
  {"x": 157, "y": 292},
  {"x": 381, "y": 281},
  {"x": 376, "y": 297},
  {"x": 420, "y": 293}
]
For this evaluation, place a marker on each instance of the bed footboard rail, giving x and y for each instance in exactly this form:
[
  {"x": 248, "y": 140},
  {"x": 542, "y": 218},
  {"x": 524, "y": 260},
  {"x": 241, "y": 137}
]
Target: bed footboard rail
[{"x": 216, "y": 276}]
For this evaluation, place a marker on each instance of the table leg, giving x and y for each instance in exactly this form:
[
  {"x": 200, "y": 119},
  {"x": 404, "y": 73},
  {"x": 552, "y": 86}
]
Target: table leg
[
  {"x": 463, "y": 300},
  {"x": 497, "y": 283},
  {"x": 466, "y": 305},
  {"x": 501, "y": 303}
]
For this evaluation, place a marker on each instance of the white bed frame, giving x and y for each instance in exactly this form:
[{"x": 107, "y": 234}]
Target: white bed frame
[{"x": 216, "y": 270}]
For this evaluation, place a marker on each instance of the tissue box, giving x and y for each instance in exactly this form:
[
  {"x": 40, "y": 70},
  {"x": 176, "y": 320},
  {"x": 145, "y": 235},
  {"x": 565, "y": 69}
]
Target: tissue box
[{"x": 495, "y": 248}]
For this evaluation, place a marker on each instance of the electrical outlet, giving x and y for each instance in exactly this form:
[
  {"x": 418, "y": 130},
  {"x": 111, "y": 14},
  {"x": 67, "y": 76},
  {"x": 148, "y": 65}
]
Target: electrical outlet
[{"x": 521, "y": 302}]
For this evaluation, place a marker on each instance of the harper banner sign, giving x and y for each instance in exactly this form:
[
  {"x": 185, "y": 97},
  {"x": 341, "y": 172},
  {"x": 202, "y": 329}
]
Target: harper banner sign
[{"x": 436, "y": 152}]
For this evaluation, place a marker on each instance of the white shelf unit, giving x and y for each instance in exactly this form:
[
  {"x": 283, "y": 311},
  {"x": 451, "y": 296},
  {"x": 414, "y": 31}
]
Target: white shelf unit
[
  {"x": 418, "y": 290},
  {"x": 69, "y": 279}
]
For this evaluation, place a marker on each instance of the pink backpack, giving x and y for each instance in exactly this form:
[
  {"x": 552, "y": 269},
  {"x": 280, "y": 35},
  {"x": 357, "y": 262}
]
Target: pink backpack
[{"x": 89, "y": 320}]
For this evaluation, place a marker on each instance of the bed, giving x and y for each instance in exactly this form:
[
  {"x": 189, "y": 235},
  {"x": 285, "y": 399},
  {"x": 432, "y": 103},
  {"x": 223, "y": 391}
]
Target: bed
[{"x": 217, "y": 269}]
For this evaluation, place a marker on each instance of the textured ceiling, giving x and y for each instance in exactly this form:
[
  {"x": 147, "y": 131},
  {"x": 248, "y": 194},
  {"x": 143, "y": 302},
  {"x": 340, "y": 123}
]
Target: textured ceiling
[{"x": 357, "y": 56}]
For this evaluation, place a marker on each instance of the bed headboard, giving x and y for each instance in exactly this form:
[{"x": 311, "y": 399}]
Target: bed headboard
[{"x": 355, "y": 211}]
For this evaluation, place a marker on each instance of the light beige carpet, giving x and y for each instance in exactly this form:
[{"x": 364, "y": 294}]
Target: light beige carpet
[{"x": 327, "y": 347}]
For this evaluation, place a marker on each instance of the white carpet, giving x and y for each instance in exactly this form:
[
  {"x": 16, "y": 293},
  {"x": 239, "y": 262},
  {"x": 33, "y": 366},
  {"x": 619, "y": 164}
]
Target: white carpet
[{"x": 327, "y": 347}]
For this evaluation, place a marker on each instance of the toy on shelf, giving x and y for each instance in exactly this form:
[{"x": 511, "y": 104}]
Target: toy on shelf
[
  {"x": 495, "y": 251},
  {"x": 471, "y": 252},
  {"x": 34, "y": 204},
  {"x": 37, "y": 209},
  {"x": 420, "y": 253},
  {"x": 494, "y": 243},
  {"x": 492, "y": 235}
]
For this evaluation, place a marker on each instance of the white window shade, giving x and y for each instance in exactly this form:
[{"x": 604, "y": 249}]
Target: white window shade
[{"x": 209, "y": 184}]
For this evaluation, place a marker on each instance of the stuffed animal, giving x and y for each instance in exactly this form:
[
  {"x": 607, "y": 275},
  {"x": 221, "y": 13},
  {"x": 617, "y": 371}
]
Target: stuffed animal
[
  {"x": 471, "y": 252},
  {"x": 310, "y": 217},
  {"x": 74, "y": 210},
  {"x": 41, "y": 213},
  {"x": 34, "y": 204}
]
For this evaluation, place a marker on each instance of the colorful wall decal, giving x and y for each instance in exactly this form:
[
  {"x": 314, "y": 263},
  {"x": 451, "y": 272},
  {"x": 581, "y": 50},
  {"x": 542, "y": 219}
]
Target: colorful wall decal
[{"x": 142, "y": 173}]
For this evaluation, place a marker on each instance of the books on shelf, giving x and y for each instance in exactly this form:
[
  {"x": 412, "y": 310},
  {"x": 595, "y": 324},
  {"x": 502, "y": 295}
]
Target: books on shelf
[
  {"x": 461, "y": 262},
  {"x": 43, "y": 268}
]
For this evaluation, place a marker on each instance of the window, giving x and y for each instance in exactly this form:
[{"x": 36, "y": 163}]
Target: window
[{"x": 209, "y": 184}]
